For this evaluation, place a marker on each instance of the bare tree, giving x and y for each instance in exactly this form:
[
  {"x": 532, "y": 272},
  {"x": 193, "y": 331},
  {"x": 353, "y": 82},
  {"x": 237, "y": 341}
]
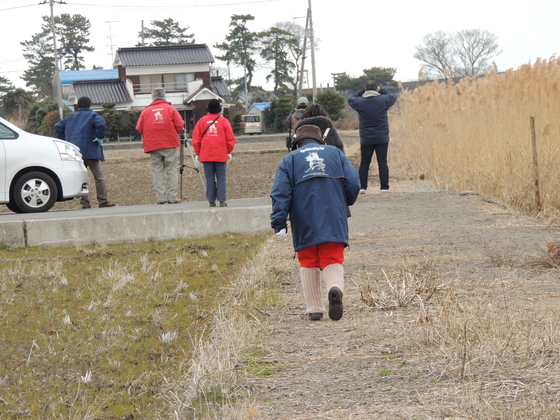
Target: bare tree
[
  {"x": 436, "y": 54},
  {"x": 473, "y": 49},
  {"x": 464, "y": 53}
]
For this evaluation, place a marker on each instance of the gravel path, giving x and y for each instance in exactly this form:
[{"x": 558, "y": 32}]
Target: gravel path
[{"x": 378, "y": 364}]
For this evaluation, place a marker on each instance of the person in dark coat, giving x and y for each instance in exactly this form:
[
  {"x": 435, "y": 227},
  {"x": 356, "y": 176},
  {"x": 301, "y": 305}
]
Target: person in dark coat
[
  {"x": 372, "y": 105},
  {"x": 293, "y": 118},
  {"x": 313, "y": 186},
  {"x": 86, "y": 130},
  {"x": 315, "y": 114}
]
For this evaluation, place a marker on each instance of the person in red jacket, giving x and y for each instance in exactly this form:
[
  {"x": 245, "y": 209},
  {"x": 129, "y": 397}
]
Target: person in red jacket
[
  {"x": 160, "y": 125},
  {"x": 213, "y": 141}
]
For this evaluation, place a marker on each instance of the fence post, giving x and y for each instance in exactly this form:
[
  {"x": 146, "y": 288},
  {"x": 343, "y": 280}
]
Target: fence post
[{"x": 538, "y": 204}]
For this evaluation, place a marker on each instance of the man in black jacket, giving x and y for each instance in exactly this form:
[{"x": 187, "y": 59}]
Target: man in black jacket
[{"x": 372, "y": 105}]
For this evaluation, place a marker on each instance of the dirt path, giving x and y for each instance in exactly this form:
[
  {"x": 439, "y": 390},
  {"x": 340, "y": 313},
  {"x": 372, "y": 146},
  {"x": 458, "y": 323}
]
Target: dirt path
[{"x": 450, "y": 353}]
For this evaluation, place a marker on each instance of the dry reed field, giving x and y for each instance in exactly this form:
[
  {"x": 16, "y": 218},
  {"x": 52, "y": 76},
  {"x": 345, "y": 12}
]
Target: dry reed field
[{"x": 476, "y": 135}]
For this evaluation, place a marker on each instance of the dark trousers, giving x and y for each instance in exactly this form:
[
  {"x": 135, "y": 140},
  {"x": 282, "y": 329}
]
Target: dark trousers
[
  {"x": 215, "y": 173},
  {"x": 367, "y": 151}
]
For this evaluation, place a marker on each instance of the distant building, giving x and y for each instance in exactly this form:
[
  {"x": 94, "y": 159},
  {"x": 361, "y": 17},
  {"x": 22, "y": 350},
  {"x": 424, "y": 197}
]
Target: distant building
[{"x": 184, "y": 71}]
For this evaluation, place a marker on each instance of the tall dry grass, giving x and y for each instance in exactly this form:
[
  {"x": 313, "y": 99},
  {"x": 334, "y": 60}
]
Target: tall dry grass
[{"x": 476, "y": 135}]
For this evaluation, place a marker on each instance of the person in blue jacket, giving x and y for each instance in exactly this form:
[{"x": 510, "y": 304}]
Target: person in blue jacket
[
  {"x": 313, "y": 186},
  {"x": 86, "y": 129},
  {"x": 372, "y": 104}
]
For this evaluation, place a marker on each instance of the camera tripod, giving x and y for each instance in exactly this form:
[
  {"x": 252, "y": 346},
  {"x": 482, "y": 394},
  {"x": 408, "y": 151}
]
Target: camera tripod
[{"x": 185, "y": 144}]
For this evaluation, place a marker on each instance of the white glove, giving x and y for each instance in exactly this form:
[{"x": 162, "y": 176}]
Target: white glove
[
  {"x": 229, "y": 158},
  {"x": 197, "y": 161},
  {"x": 282, "y": 233}
]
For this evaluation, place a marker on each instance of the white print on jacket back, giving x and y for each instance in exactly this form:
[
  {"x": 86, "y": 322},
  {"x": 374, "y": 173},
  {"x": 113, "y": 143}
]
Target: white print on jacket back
[
  {"x": 213, "y": 129},
  {"x": 316, "y": 163},
  {"x": 158, "y": 116}
]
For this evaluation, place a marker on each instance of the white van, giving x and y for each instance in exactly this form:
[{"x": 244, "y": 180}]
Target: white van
[
  {"x": 37, "y": 171},
  {"x": 252, "y": 124}
]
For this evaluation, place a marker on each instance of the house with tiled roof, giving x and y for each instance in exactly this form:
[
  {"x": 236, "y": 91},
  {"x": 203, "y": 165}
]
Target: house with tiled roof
[{"x": 184, "y": 71}]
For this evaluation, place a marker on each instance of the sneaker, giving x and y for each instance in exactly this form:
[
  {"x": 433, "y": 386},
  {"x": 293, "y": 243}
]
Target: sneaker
[
  {"x": 213, "y": 204},
  {"x": 162, "y": 202},
  {"x": 107, "y": 204},
  {"x": 362, "y": 191},
  {"x": 386, "y": 191},
  {"x": 176, "y": 201},
  {"x": 315, "y": 316},
  {"x": 86, "y": 206},
  {"x": 223, "y": 204},
  {"x": 335, "y": 303}
]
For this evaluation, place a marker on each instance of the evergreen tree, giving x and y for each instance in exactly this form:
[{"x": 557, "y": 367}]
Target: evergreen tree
[
  {"x": 276, "y": 44},
  {"x": 72, "y": 38},
  {"x": 333, "y": 103},
  {"x": 165, "y": 32},
  {"x": 112, "y": 120},
  {"x": 275, "y": 115},
  {"x": 240, "y": 46},
  {"x": 382, "y": 75}
]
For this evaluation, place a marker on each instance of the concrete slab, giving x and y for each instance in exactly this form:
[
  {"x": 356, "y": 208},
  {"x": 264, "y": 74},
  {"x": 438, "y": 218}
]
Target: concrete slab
[{"x": 134, "y": 223}]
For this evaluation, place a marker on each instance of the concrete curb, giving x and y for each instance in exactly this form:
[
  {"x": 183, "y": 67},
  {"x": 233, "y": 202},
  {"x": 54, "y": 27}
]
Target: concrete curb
[{"x": 134, "y": 224}]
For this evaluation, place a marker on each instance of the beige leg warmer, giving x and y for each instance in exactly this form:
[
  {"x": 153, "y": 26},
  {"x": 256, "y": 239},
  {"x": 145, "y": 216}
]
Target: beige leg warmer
[
  {"x": 311, "y": 282},
  {"x": 333, "y": 274}
]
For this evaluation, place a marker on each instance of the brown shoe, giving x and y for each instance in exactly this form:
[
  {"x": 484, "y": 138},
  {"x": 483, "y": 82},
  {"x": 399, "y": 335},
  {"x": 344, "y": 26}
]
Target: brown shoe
[
  {"x": 212, "y": 204},
  {"x": 223, "y": 204},
  {"x": 107, "y": 204}
]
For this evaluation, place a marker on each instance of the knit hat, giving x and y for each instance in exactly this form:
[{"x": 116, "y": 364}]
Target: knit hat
[
  {"x": 302, "y": 102},
  {"x": 214, "y": 106},
  {"x": 307, "y": 131},
  {"x": 84, "y": 102},
  {"x": 158, "y": 93}
]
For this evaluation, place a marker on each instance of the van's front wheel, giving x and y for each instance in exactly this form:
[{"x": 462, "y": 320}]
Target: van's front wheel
[{"x": 34, "y": 192}]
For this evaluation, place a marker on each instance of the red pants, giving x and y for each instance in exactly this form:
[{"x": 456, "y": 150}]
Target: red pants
[{"x": 321, "y": 255}]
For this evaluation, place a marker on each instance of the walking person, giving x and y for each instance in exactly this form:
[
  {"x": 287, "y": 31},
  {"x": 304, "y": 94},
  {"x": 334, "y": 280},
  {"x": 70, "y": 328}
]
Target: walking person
[
  {"x": 213, "y": 142},
  {"x": 315, "y": 114},
  {"x": 292, "y": 119},
  {"x": 372, "y": 105},
  {"x": 86, "y": 129},
  {"x": 313, "y": 186},
  {"x": 160, "y": 125}
]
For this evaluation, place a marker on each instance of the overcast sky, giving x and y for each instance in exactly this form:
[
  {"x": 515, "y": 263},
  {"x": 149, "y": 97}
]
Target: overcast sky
[{"x": 353, "y": 34}]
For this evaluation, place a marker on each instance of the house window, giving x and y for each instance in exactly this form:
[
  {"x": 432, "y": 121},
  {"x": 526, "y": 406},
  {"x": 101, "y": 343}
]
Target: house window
[
  {"x": 177, "y": 81},
  {"x": 150, "y": 82}
]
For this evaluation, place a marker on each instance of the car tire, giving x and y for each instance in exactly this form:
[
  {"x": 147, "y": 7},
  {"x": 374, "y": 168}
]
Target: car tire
[
  {"x": 34, "y": 192},
  {"x": 13, "y": 207}
]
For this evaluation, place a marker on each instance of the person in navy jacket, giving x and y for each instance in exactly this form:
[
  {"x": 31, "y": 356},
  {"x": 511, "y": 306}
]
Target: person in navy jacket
[
  {"x": 372, "y": 105},
  {"x": 86, "y": 130},
  {"x": 313, "y": 186}
]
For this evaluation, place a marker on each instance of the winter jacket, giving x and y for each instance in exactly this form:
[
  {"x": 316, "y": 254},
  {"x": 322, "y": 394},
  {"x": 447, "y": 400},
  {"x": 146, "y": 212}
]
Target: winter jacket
[
  {"x": 332, "y": 138},
  {"x": 217, "y": 142},
  {"x": 160, "y": 125},
  {"x": 313, "y": 186},
  {"x": 372, "y": 112},
  {"x": 81, "y": 128}
]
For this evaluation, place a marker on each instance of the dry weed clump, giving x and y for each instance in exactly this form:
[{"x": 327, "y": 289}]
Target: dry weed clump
[
  {"x": 494, "y": 346},
  {"x": 476, "y": 135},
  {"x": 215, "y": 384}
]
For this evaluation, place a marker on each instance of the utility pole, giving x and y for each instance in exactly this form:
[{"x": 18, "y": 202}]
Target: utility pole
[
  {"x": 300, "y": 88},
  {"x": 312, "y": 40},
  {"x": 111, "y": 38},
  {"x": 56, "y": 65}
]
